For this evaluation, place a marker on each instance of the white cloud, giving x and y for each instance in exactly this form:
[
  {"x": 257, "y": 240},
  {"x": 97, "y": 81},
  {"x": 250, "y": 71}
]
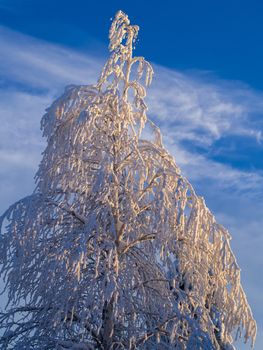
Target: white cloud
[
  {"x": 43, "y": 65},
  {"x": 201, "y": 106},
  {"x": 32, "y": 74},
  {"x": 197, "y": 167}
]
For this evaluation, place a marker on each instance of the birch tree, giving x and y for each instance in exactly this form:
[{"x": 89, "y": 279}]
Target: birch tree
[{"x": 114, "y": 249}]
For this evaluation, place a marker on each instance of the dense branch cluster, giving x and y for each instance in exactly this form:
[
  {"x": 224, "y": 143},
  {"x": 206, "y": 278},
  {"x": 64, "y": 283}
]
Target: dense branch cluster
[{"x": 114, "y": 250}]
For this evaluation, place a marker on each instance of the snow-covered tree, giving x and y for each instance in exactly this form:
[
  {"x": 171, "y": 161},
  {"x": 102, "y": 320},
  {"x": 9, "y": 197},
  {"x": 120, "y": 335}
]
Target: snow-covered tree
[{"x": 114, "y": 250}]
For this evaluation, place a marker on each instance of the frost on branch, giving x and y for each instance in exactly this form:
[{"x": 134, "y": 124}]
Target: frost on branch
[{"x": 114, "y": 250}]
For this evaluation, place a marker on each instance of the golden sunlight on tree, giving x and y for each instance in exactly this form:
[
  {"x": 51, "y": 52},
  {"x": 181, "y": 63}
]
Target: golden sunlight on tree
[{"x": 114, "y": 250}]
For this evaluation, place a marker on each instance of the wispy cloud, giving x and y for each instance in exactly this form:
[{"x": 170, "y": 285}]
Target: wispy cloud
[
  {"x": 197, "y": 110},
  {"x": 204, "y": 107},
  {"x": 42, "y": 65},
  {"x": 32, "y": 74}
]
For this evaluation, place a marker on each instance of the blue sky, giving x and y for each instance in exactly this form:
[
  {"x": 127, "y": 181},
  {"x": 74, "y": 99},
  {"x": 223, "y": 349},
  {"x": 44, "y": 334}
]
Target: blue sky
[{"x": 206, "y": 96}]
